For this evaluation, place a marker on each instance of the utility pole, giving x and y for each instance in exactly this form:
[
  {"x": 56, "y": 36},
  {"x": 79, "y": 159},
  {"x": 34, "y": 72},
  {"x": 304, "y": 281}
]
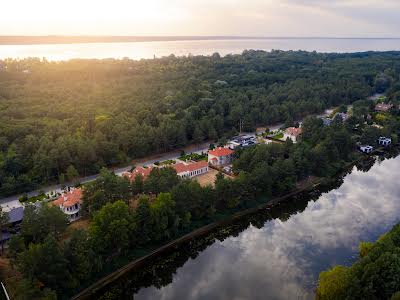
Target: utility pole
[{"x": 240, "y": 126}]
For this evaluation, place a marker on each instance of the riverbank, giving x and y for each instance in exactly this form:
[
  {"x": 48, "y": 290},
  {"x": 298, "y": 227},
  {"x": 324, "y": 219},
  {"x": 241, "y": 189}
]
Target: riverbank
[
  {"x": 305, "y": 187},
  {"x": 91, "y": 290},
  {"x": 355, "y": 281}
]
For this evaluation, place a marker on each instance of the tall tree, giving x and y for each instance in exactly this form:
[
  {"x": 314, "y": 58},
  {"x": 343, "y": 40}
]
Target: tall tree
[
  {"x": 107, "y": 188},
  {"x": 40, "y": 222},
  {"x": 43, "y": 263},
  {"x": 110, "y": 229},
  {"x": 72, "y": 174},
  {"x": 4, "y": 219}
]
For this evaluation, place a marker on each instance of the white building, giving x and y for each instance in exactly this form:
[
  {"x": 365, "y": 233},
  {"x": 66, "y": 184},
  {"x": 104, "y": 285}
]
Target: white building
[
  {"x": 384, "y": 141},
  {"x": 220, "y": 156},
  {"x": 366, "y": 149},
  {"x": 70, "y": 203},
  {"x": 191, "y": 169}
]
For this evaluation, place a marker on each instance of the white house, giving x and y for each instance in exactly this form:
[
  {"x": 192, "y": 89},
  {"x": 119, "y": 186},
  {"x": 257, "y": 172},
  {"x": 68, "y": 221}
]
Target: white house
[
  {"x": 384, "y": 141},
  {"x": 191, "y": 169},
  {"x": 70, "y": 203},
  {"x": 292, "y": 133},
  {"x": 220, "y": 156},
  {"x": 366, "y": 149}
]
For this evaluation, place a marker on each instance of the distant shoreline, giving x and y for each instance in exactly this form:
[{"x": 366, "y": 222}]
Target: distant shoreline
[{"x": 59, "y": 39}]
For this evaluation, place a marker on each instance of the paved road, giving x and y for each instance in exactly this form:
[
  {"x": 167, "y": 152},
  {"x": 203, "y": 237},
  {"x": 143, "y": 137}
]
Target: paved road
[{"x": 12, "y": 201}]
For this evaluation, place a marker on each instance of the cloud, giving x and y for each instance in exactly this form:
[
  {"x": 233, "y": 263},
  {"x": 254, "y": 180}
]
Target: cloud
[
  {"x": 207, "y": 17},
  {"x": 384, "y": 13}
]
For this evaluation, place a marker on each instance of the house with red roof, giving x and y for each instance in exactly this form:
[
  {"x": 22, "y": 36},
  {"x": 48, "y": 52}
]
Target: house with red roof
[
  {"x": 220, "y": 156},
  {"x": 145, "y": 172},
  {"x": 189, "y": 170},
  {"x": 292, "y": 133},
  {"x": 70, "y": 203}
]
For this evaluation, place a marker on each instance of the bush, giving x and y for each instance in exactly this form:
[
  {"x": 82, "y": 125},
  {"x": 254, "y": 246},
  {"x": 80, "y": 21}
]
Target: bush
[{"x": 23, "y": 198}]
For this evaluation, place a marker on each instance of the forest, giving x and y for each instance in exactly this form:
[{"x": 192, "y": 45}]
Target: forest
[
  {"x": 375, "y": 275},
  {"x": 62, "y": 120},
  {"x": 129, "y": 219}
]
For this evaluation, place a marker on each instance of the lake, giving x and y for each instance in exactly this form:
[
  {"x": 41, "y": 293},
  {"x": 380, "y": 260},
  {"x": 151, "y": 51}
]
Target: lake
[
  {"x": 139, "y": 50},
  {"x": 276, "y": 253}
]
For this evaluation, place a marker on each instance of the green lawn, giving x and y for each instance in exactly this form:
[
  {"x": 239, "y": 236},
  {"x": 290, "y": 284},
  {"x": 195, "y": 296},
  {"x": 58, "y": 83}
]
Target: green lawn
[
  {"x": 193, "y": 156},
  {"x": 168, "y": 162},
  {"x": 33, "y": 199},
  {"x": 278, "y": 136}
]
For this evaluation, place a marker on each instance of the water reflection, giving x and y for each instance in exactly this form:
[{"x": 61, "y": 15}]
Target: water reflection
[{"x": 275, "y": 259}]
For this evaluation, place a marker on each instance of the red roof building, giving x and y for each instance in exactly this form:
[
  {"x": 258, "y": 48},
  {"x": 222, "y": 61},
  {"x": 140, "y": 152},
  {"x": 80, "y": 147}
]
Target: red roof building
[
  {"x": 145, "y": 172},
  {"x": 191, "y": 169},
  {"x": 220, "y": 156},
  {"x": 70, "y": 203},
  {"x": 292, "y": 133},
  {"x": 220, "y": 151}
]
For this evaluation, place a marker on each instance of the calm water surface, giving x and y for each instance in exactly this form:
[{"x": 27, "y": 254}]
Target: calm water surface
[
  {"x": 278, "y": 253},
  {"x": 139, "y": 50}
]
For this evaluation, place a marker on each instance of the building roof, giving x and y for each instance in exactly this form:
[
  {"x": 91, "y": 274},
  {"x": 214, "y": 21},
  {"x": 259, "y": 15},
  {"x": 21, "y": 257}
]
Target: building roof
[
  {"x": 221, "y": 151},
  {"x": 70, "y": 198},
  {"x": 138, "y": 170},
  {"x": 16, "y": 215},
  {"x": 294, "y": 131},
  {"x": 181, "y": 167},
  {"x": 383, "y": 106}
]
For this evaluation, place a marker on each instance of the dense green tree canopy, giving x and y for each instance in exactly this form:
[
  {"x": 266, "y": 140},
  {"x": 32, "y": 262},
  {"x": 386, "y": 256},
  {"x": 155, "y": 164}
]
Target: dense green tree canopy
[
  {"x": 75, "y": 117},
  {"x": 375, "y": 275}
]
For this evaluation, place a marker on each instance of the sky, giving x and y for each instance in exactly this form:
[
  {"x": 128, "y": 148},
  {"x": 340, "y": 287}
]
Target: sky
[{"x": 328, "y": 18}]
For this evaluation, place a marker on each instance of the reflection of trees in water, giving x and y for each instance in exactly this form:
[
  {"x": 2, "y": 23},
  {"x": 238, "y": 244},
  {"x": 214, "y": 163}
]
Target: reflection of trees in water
[
  {"x": 159, "y": 272},
  {"x": 366, "y": 164}
]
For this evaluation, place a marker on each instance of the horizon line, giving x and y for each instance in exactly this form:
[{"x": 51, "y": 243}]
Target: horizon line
[{"x": 77, "y": 39}]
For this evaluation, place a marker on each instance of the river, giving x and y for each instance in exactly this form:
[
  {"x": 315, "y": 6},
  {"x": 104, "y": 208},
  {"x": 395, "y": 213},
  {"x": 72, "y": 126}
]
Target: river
[
  {"x": 276, "y": 253},
  {"x": 139, "y": 50}
]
